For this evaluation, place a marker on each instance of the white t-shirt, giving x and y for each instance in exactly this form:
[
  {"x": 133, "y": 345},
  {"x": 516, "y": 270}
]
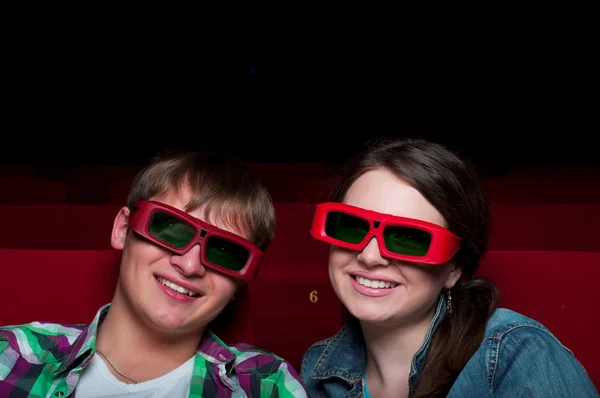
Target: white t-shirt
[{"x": 97, "y": 381}]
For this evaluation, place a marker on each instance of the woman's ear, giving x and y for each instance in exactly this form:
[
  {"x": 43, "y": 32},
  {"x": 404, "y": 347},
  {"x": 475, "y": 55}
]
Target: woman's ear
[
  {"x": 119, "y": 231},
  {"x": 453, "y": 276}
]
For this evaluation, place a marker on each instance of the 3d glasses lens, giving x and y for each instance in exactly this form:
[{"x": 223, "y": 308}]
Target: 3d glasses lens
[{"x": 169, "y": 229}]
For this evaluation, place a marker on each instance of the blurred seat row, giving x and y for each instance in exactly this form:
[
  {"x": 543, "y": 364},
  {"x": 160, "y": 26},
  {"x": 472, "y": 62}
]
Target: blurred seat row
[
  {"x": 302, "y": 182},
  {"x": 98, "y": 184},
  {"x": 57, "y": 263}
]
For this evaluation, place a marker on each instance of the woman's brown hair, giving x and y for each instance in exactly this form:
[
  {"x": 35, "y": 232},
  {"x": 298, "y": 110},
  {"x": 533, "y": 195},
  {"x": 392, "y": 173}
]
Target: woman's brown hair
[{"x": 452, "y": 186}]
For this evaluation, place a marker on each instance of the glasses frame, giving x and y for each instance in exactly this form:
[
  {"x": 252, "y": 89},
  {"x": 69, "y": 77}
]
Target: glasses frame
[
  {"x": 139, "y": 221},
  {"x": 444, "y": 244}
]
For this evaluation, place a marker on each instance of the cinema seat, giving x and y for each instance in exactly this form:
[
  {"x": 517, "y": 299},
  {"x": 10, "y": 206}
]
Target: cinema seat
[
  {"x": 545, "y": 226},
  {"x": 17, "y": 170},
  {"x": 69, "y": 286},
  {"x": 56, "y": 285},
  {"x": 543, "y": 189},
  {"x": 118, "y": 190},
  {"x": 90, "y": 184},
  {"x": 60, "y": 226},
  {"x": 558, "y": 289},
  {"x": 292, "y": 303},
  {"x": 29, "y": 191},
  {"x": 302, "y": 310},
  {"x": 301, "y": 182},
  {"x": 286, "y": 182}
]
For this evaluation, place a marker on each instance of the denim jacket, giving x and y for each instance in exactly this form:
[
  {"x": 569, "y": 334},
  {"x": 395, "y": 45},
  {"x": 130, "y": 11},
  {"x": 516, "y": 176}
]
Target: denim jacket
[{"x": 334, "y": 367}]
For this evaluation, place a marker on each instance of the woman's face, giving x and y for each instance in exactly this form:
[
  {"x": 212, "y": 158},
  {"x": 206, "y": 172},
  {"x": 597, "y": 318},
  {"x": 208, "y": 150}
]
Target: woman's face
[{"x": 410, "y": 290}]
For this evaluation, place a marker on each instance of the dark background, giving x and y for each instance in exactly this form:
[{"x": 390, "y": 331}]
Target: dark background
[{"x": 93, "y": 99}]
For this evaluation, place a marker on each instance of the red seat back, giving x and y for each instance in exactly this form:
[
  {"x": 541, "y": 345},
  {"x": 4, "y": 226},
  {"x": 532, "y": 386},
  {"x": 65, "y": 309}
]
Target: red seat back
[
  {"x": 91, "y": 184},
  {"x": 69, "y": 286},
  {"x": 292, "y": 302},
  {"x": 32, "y": 191},
  {"x": 17, "y": 170},
  {"x": 301, "y": 182},
  {"x": 57, "y": 226},
  {"x": 66, "y": 286},
  {"x": 543, "y": 189},
  {"x": 545, "y": 226},
  {"x": 118, "y": 190},
  {"x": 558, "y": 289}
]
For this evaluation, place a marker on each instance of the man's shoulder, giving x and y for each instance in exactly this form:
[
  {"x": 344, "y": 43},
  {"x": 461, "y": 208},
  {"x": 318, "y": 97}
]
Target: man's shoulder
[
  {"x": 246, "y": 351},
  {"x": 252, "y": 358},
  {"x": 40, "y": 336}
]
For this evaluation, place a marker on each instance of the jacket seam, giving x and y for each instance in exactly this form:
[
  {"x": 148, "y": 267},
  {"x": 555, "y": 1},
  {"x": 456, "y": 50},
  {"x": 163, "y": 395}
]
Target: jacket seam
[
  {"x": 496, "y": 341},
  {"x": 325, "y": 354}
]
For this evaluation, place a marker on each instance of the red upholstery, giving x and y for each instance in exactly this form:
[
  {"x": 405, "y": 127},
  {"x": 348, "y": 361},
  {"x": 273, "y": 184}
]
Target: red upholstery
[
  {"x": 56, "y": 286},
  {"x": 17, "y": 170},
  {"x": 556, "y": 288},
  {"x": 279, "y": 311},
  {"x": 545, "y": 226},
  {"x": 118, "y": 190},
  {"x": 27, "y": 191},
  {"x": 292, "y": 302},
  {"x": 553, "y": 172},
  {"x": 540, "y": 189},
  {"x": 91, "y": 184},
  {"x": 301, "y": 182},
  {"x": 69, "y": 286},
  {"x": 57, "y": 226}
]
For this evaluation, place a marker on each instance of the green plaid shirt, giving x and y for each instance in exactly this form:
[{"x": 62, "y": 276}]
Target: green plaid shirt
[{"x": 47, "y": 359}]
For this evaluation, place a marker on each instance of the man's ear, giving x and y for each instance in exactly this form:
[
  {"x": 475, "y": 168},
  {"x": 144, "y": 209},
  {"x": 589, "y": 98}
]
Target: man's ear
[
  {"x": 119, "y": 231},
  {"x": 453, "y": 277}
]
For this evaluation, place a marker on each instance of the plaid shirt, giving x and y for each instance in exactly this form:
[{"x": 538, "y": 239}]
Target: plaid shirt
[{"x": 47, "y": 359}]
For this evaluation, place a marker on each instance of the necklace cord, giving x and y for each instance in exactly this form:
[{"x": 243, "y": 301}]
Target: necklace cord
[{"x": 134, "y": 381}]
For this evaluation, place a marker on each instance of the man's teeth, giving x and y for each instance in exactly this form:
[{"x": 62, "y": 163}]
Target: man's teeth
[
  {"x": 375, "y": 284},
  {"x": 175, "y": 287}
]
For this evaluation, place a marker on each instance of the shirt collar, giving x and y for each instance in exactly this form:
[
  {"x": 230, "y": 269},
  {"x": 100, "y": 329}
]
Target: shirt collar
[
  {"x": 211, "y": 347},
  {"x": 83, "y": 347},
  {"x": 345, "y": 354}
]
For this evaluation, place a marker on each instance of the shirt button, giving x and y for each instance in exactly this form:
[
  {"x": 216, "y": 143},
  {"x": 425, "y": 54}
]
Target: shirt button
[{"x": 59, "y": 394}]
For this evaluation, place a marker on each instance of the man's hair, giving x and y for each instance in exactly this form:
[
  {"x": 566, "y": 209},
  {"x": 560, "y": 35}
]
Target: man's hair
[{"x": 219, "y": 183}]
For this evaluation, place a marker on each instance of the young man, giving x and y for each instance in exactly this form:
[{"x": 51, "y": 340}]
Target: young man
[{"x": 192, "y": 234}]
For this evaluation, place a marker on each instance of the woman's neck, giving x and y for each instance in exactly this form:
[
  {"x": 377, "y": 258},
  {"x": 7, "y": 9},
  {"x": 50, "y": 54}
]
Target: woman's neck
[{"x": 390, "y": 351}]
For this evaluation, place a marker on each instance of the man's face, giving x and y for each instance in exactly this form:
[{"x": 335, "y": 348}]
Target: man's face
[{"x": 170, "y": 293}]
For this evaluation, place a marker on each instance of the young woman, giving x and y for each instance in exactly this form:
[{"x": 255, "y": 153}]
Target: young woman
[{"x": 407, "y": 227}]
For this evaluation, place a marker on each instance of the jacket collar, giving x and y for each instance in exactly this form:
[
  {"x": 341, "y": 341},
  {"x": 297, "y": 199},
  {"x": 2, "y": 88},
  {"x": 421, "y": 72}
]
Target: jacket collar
[{"x": 345, "y": 357}]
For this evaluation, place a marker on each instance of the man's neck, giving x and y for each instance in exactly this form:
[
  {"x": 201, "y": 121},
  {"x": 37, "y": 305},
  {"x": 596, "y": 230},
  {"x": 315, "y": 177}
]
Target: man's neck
[{"x": 138, "y": 351}]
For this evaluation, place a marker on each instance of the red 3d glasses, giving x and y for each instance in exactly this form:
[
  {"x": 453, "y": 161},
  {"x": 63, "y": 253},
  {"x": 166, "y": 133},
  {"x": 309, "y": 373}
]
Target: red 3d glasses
[
  {"x": 398, "y": 238},
  {"x": 177, "y": 231}
]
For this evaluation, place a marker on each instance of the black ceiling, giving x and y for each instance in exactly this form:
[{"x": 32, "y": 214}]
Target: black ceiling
[{"x": 103, "y": 104}]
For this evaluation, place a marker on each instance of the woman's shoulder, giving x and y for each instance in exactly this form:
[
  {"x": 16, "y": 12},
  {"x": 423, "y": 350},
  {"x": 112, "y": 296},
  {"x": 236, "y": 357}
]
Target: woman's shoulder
[
  {"x": 504, "y": 321},
  {"x": 508, "y": 326},
  {"x": 519, "y": 352}
]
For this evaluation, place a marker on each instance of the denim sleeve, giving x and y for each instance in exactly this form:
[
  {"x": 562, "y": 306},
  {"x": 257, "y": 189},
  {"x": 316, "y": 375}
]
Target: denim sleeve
[{"x": 528, "y": 361}]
